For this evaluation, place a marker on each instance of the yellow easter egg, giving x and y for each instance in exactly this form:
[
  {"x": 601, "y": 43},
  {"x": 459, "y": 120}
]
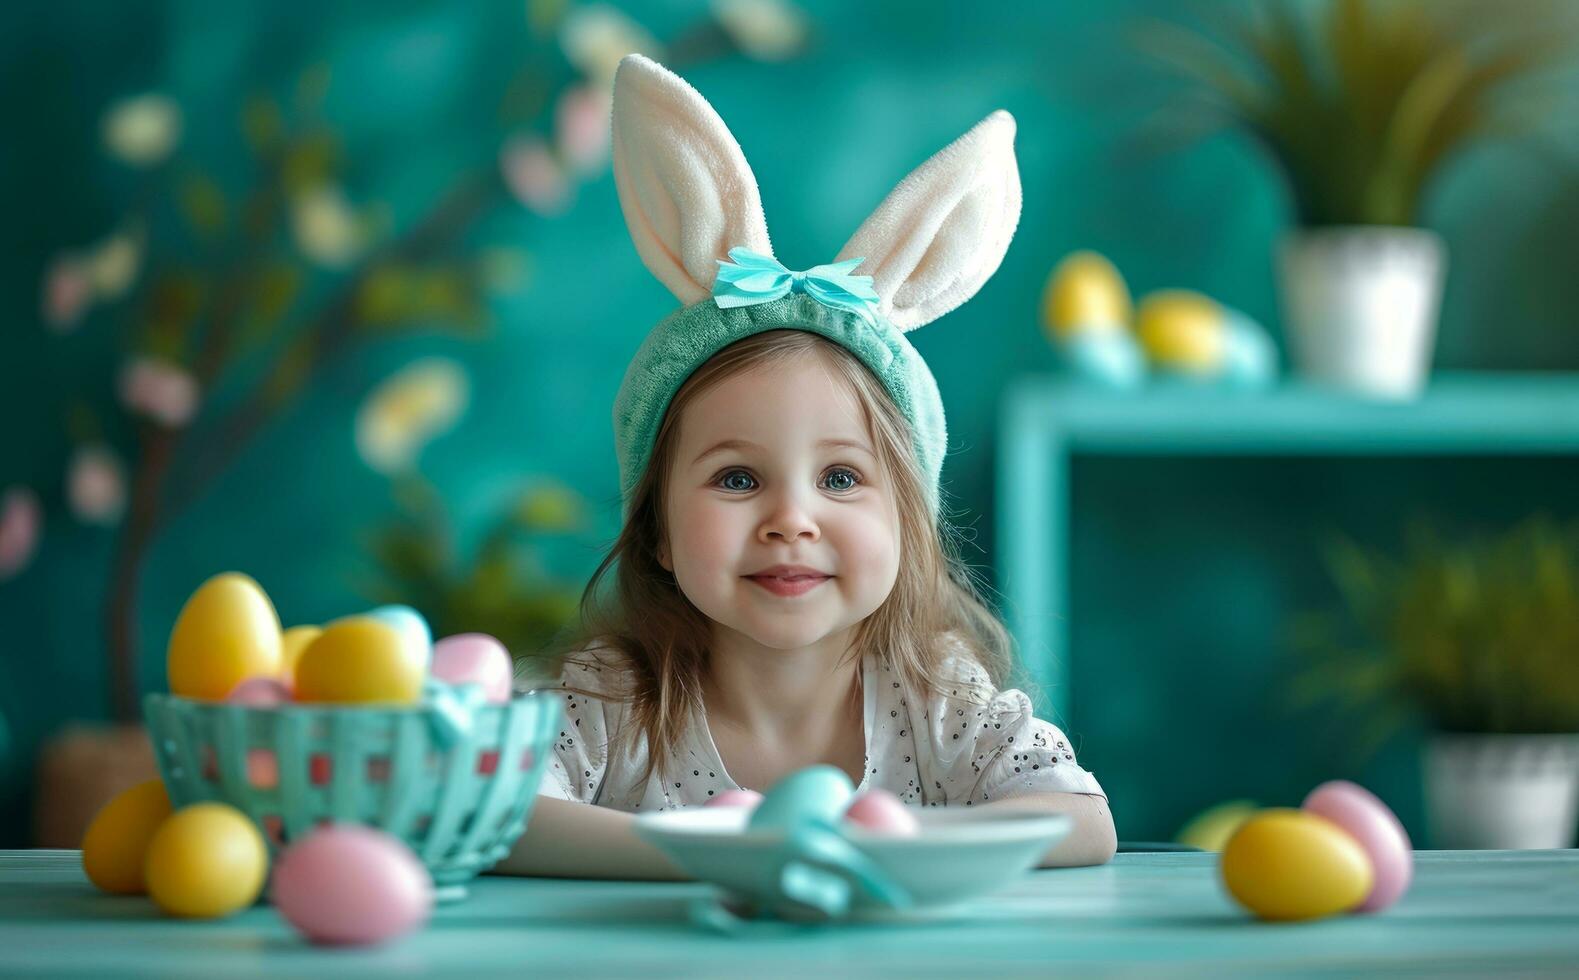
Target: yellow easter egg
[
  {"x": 227, "y": 632},
  {"x": 1182, "y": 330},
  {"x": 358, "y": 659},
  {"x": 1285, "y": 864},
  {"x": 207, "y": 860},
  {"x": 1085, "y": 292},
  {"x": 1211, "y": 828},
  {"x": 116, "y": 844},
  {"x": 292, "y": 642}
]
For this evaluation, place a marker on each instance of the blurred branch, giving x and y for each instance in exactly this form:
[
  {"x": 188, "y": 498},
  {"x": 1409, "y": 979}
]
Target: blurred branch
[
  {"x": 190, "y": 341},
  {"x": 142, "y": 522},
  {"x": 329, "y": 334},
  {"x": 220, "y": 336}
]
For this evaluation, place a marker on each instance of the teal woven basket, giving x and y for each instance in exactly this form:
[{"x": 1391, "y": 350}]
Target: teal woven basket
[{"x": 455, "y": 783}]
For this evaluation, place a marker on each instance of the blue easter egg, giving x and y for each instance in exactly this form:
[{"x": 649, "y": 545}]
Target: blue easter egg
[
  {"x": 1110, "y": 357},
  {"x": 816, "y": 794},
  {"x": 1250, "y": 359},
  {"x": 411, "y": 625}
]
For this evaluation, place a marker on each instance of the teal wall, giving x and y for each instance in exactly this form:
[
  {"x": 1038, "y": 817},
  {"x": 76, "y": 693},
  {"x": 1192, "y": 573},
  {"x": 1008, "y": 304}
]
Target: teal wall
[{"x": 413, "y": 89}]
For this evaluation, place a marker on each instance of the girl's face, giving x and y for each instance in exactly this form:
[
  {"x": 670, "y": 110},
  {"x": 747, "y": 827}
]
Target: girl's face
[{"x": 781, "y": 527}]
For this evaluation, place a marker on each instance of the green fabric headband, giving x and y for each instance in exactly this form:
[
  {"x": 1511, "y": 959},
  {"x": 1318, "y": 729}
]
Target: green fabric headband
[
  {"x": 689, "y": 198},
  {"x": 686, "y": 339}
]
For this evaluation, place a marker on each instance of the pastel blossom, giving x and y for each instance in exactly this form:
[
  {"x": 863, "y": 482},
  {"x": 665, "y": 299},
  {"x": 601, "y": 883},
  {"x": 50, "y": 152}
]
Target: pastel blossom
[
  {"x": 160, "y": 390},
  {"x": 581, "y": 128},
  {"x": 534, "y": 176},
  {"x": 96, "y": 485},
  {"x": 67, "y": 293},
  {"x": 21, "y": 523},
  {"x": 113, "y": 264},
  {"x": 771, "y": 30},
  {"x": 326, "y": 228},
  {"x": 143, "y": 130},
  {"x": 596, "y": 36},
  {"x": 408, "y": 410}
]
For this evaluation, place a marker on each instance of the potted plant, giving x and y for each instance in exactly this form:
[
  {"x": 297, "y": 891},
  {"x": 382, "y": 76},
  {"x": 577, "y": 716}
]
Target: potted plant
[
  {"x": 1481, "y": 641},
  {"x": 1362, "y": 110}
]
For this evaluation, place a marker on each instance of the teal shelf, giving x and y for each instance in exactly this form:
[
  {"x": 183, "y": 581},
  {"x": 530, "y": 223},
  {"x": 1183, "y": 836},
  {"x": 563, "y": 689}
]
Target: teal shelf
[{"x": 1046, "y": 423}]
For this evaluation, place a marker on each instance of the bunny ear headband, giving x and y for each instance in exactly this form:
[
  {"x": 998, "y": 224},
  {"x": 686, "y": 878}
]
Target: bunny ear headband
[{"x": 690, "y": 200}]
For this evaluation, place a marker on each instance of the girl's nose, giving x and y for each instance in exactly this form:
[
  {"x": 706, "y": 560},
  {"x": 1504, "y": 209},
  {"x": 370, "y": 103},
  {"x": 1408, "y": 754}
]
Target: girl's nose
[{"x": 788, "y": 521}]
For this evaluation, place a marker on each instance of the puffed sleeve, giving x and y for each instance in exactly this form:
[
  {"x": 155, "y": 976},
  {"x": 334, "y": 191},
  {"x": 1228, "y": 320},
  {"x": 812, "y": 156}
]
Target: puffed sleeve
[
  {"x": 579, "y": 765},
  {"x": 1017, "y": 753},
  {"x": 983, "y": 744}
]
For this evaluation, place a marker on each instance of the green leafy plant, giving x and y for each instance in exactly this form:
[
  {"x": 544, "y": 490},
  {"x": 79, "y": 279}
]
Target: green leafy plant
[
  {"x": 1476, "y": 637},
  {"x": 501, "y": 588},
  {"x": 1363, "y": 105}
]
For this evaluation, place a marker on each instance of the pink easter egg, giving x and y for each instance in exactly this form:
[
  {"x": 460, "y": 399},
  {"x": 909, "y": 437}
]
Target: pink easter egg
[
  {"x": 346, "y": 884},
  {"x": 880, "y": 811},
  {"x": 259, "y": 692},
  {"x": 475, "y": 658},
  {"x": 1369, "y": 821},
  {"x": 735, "y": 797}
]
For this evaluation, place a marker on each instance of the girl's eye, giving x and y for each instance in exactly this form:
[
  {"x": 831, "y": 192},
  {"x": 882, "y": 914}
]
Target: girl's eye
[
  {"x": 842, "y": 480},
  {"x": 738, "y": 481}
]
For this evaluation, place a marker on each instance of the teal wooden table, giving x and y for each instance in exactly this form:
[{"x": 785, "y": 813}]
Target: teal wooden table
[{"x": 1507, "y": 913}]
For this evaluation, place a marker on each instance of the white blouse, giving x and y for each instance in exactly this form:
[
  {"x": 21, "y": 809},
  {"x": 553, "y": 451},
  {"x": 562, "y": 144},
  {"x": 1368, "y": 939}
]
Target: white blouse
[{"x": 967, "y": 745}]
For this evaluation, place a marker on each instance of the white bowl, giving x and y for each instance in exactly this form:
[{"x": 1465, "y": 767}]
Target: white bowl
[{"x": 958, "y": 855}]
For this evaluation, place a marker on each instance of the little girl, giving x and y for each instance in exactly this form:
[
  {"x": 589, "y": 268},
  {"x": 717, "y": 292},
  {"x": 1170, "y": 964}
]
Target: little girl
[{"x": 782, "y": 593}]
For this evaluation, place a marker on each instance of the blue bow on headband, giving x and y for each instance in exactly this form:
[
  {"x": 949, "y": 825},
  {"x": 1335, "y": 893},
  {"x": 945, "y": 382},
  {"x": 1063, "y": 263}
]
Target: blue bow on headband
[{"x": 756, "y": 278}]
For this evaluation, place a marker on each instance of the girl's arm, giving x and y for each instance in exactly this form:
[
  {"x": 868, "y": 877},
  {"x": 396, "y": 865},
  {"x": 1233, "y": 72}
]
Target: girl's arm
[
  {"x": 1093, "y": 839},
  {"x": 565, "y": 839}
]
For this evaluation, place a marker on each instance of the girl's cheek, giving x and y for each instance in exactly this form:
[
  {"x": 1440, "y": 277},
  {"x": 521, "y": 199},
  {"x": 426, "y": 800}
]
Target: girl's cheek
[
  {"x": 706, "y": 534},
  {"x": 886, "y": 545},
  {"x": 872, "y": 544}
]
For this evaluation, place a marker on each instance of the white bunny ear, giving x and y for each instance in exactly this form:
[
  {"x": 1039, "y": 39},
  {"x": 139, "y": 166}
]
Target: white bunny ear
[
  {"x": 685, "y": 188},
  {"x": 941, "y": 233}
]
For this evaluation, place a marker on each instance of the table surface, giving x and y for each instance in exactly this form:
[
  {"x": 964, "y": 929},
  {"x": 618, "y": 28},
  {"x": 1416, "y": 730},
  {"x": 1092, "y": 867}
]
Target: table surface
[{"x": 1504, "y": 913}]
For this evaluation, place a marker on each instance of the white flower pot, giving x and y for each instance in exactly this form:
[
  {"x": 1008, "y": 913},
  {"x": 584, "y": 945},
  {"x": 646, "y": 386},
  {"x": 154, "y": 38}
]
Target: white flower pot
[
  {"x": 1360, "y": 305},
  {"x": 1502, "y": 791}
]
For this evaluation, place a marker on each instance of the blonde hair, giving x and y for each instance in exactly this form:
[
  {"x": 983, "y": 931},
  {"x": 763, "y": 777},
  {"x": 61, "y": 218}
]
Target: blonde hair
[{"x": 935, "y": 609}]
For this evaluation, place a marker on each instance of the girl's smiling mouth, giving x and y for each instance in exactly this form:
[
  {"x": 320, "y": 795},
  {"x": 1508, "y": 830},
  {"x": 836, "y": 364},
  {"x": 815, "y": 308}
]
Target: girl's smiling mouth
[{"x": 789, "y": 580}]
